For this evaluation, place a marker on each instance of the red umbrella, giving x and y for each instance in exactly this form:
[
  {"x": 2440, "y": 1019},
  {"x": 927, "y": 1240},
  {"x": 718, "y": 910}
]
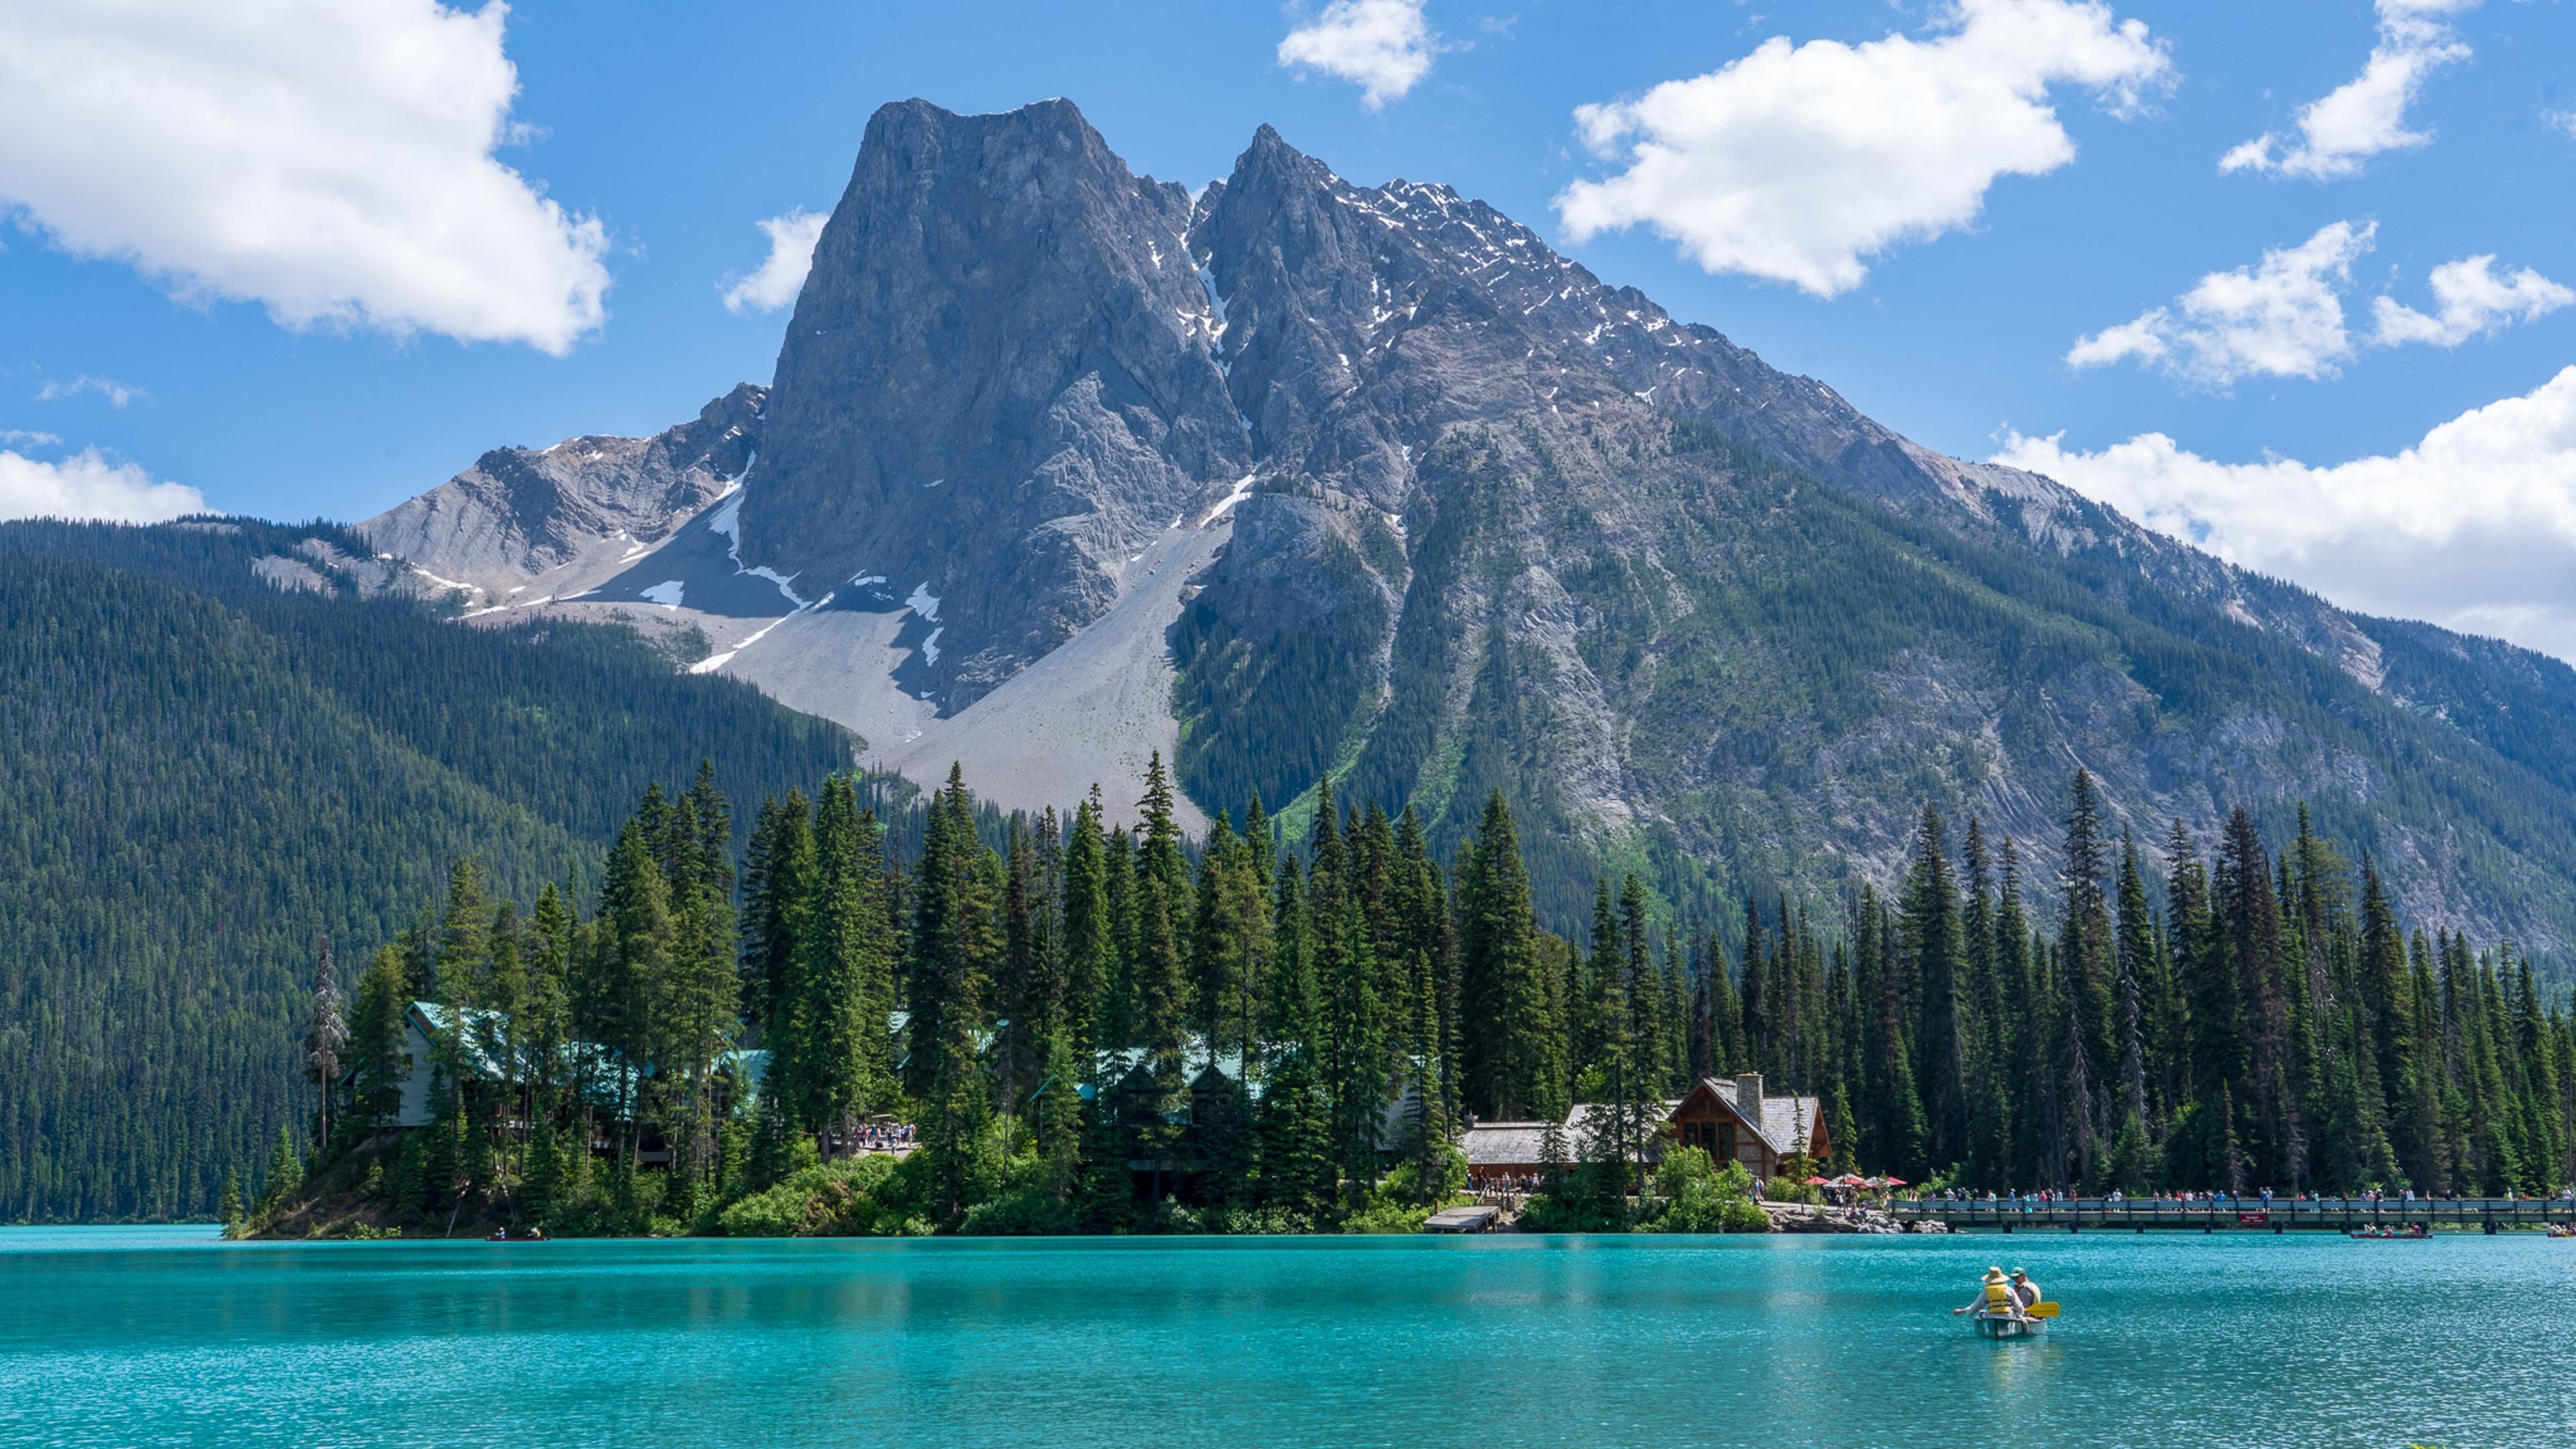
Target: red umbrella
[
  {"x": 1891, "y": 1182},
  {"x": 1818, "y": 1182},
  {"x": 1851, "y": 1179}
]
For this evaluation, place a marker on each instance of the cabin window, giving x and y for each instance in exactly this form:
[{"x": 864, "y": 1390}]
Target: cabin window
[{"x": 1725, "y": 1141}]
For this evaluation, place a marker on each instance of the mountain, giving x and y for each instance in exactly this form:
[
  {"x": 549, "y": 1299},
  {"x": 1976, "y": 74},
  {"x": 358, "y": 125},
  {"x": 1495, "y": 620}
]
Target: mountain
[
  {"x": 206, "y": 771},
  {"x": 564, "y": 518},
  {"x": 1295, "y": 477}
]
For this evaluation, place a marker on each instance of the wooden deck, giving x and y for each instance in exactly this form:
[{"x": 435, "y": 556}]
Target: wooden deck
[
  {"x": 2467, "y": 1214},
  {"x": 1478, "y": 1219}
]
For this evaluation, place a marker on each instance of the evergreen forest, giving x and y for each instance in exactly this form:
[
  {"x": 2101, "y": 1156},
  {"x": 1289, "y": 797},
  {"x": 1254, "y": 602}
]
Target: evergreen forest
[
  {"x": 204, "y": 775},
  {"x": 1074, "y": 1027}
]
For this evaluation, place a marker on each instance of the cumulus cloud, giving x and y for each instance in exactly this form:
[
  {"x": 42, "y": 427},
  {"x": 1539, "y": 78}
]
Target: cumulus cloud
[
  {"x": 1382, "y": 46},
  {"x": 333, "y": 162},
  {"x": 2473, "y": 528},
  {"x": 2472, "y": 300},
  {"x": 2282, "y": 316},
  {"x": 2560, "y": 121},
  {"x": 782, "y": 275},
  {"x": 30, "y": 437},
  {"x": 118, "y": 394},
  {"x": 1796, "y": 162},
  {"x": 2365, "y": 115},
  {"x": 87, "y": 485}
]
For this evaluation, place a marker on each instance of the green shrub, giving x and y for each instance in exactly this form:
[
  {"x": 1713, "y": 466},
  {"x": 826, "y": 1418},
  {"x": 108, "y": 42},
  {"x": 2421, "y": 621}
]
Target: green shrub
[
  {"x": 1401, "y": 1202},
  {"x": 1246, "y": 1222},
  {"x": 1030, "y": 1203},
  {"x": 1784, "y": 1188},
  {"x": 1699, "y": 1197},
  {"x": 1017, "y": 1214},
  {"x": 1171, "y": 1216},
  {"x": 856, "y": 1197}
]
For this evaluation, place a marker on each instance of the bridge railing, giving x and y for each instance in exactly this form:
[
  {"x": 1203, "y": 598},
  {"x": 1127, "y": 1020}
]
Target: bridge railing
[{"x": 2335, "y": 1213}]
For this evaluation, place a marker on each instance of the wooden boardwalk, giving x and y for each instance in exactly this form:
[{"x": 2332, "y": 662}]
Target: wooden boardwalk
[{"x": 2464, "y": 1214}]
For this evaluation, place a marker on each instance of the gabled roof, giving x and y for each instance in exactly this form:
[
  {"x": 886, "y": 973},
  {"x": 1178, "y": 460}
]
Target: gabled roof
[
  {"x": 1116, "y": 1064},
  {"x": 1507, "y": 1144},
  {"x": 1788, "y": 1123},
  {"x": 593, "y": 1061}
]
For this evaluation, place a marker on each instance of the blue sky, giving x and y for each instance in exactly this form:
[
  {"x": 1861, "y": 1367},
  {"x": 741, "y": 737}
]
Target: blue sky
[{"x": 282, "y": 375}]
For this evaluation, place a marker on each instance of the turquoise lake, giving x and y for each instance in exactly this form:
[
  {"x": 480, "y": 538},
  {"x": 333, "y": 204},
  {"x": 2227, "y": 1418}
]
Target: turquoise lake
[{"x": 115, "y": 1336}]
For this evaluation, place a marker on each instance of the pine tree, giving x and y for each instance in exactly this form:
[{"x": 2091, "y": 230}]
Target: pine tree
[
  {"x": 322, "y": 1042},
  {"x": 634, "y": 955},
  {"x": 1513, "y": 1036},
  {"x": 1293, "y": 1160},
  {"x": 1089, "y": 934},
  {"x": 285, "y": 1176},
  {"x": 1935, "y": 950},
  {"x": 956, "y": 940},
  {"x": 2087, "y": 955},
  {"x": 376, "y": 1063},
  {"x": 2136, "y": 970}
]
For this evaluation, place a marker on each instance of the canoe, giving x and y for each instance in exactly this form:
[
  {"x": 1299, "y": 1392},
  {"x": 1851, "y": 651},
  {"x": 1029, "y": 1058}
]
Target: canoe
[{"x": 1998, "y": 1325}]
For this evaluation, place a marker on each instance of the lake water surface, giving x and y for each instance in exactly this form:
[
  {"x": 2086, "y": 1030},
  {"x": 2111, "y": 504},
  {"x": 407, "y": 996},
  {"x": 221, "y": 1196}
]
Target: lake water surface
[{"x": 157, "y": 1336}]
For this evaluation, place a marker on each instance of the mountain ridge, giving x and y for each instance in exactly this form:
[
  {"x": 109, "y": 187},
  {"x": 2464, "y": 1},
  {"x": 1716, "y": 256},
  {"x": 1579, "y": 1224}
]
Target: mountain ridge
[{"x": 1419, "y": 503}]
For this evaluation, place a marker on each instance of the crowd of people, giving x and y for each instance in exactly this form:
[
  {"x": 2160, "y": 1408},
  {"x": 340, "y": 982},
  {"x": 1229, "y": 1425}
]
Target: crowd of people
[
  {"x": 2259, "y": 1201},
  {"x": 885, "y": 1136}
]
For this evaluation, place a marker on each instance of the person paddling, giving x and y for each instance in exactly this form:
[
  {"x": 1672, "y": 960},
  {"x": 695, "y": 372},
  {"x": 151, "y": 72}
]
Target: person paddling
[{"x": 1995, "y": 1299}]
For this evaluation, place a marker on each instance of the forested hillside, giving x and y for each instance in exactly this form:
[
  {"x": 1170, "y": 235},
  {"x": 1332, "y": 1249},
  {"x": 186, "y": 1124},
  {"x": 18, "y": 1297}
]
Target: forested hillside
[
  {"x": 1084, "y": 1029},
  {"x": 205, "y": 774}
]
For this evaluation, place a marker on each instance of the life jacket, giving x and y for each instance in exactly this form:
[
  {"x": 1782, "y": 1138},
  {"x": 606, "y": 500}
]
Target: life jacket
[{"x": 1999, "y": 1298}]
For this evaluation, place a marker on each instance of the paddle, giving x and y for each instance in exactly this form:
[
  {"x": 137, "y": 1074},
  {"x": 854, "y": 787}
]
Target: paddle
[{"x": 2041, "y": 1310}]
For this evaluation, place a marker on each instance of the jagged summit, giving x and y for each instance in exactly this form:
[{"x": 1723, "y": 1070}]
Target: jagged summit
[
  {"x": 542, "y": 521},
  {"x": 1062, "y": 465},
  {"x": 998, "y": 369}
]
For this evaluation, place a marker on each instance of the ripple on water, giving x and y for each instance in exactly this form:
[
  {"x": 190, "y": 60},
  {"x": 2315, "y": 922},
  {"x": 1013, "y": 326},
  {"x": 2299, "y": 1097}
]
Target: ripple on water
[{"x": 124, "y": 1337}]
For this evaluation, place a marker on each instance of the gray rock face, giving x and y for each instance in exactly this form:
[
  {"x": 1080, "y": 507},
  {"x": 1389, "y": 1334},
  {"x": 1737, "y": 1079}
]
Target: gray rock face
[
  {"x": 521, "y": 513},
  {"x": 997, "y": 383}
]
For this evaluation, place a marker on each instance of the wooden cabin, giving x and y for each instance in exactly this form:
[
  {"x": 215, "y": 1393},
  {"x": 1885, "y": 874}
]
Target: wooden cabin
[
  {"x": 1508, "y": 1154},
  {"x": 1735, "y": 1120}
]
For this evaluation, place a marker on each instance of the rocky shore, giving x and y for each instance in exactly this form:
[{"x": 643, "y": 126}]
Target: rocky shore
[{"x": 1792, "y": 1217}]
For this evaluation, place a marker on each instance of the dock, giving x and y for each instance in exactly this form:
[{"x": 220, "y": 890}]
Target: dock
[
  {"x": 1478, "y": 1219},
  {"x": 2333, "y": 1214}
]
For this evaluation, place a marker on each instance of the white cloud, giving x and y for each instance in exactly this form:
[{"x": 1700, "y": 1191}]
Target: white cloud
[
  {"x": 2281, "y": 317},
  {"x": 2560, "y": 121},
  {"x": 2365, "y": 115},
  {"x": 1383, "y": 46},
  {"x": 791, "y": 256},
  {"x": 118, "y": 394},
  {"x": 1796, "y": 162},
  {"x": 86, "y": 485},
  {"x": 2473, "y": 528},
  {"x": 30, "y": 437},
  {"x": 332, "y": 161},
  {"x": 2473, "y": 300}
]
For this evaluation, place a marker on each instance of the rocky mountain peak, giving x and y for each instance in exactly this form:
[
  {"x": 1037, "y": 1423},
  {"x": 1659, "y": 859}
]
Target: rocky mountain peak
[
  {"x": 999, "y": 369},
  {"x": 538, "y": 516}
]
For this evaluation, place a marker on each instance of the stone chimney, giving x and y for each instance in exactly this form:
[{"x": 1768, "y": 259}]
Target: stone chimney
[{"x": 1748, "y": 1098}]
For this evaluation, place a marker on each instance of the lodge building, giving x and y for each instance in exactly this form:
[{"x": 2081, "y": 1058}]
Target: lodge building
[{"x": 1731, "y": 1118}]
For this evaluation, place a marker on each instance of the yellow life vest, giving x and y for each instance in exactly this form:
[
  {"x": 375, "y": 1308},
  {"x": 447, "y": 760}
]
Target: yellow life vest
[{"x": 1999, "y": 1298}]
